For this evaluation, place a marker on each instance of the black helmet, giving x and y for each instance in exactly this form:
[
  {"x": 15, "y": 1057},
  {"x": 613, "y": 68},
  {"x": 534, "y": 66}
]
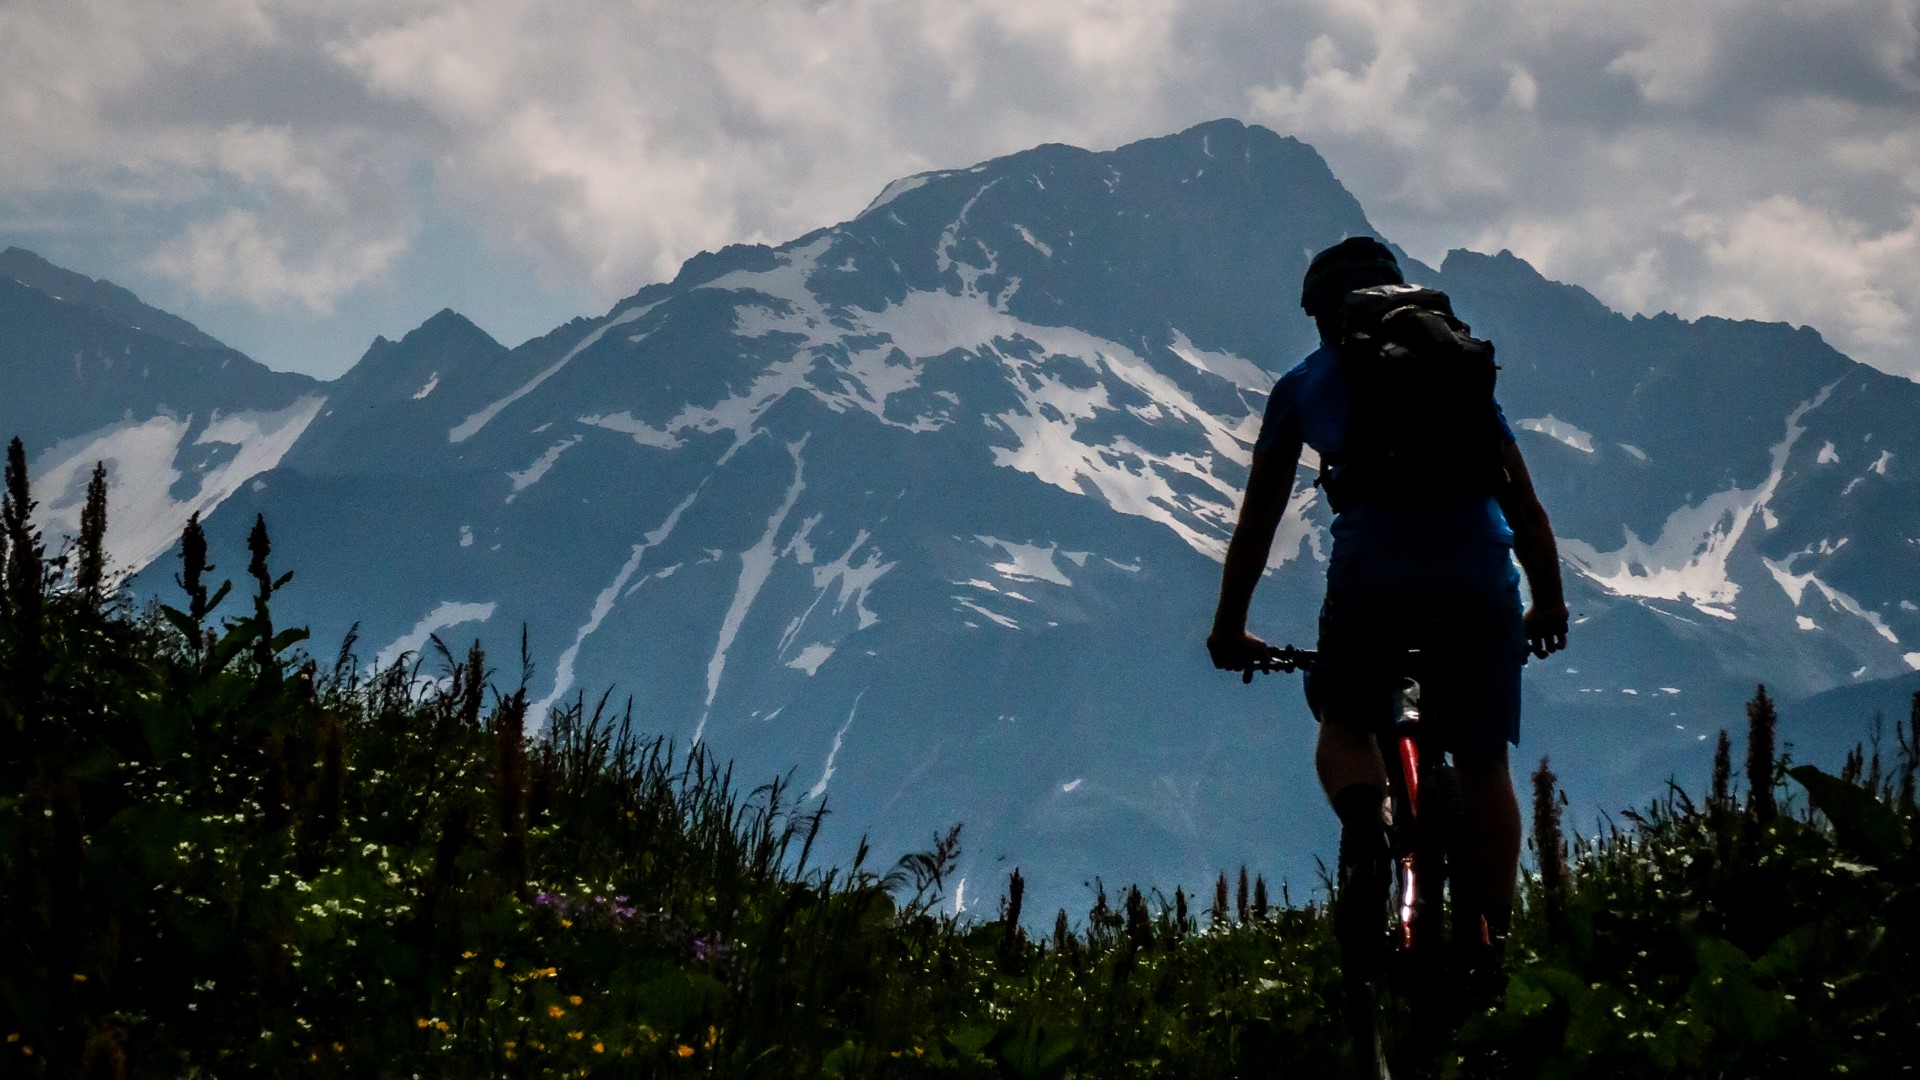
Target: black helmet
[{"x": 1357, "y": 262}]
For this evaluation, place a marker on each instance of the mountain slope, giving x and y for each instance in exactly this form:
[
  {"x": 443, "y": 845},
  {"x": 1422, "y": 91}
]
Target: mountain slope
[
  {"x": 927, "y": 507},
  {"x": 93, "y": 375}
]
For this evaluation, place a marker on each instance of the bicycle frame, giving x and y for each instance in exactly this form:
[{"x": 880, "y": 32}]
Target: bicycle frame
[{"x": 1419, "y": 863}]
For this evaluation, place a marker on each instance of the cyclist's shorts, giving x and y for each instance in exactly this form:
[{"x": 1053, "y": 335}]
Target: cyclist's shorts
[{"x": 1471, "y": 646}]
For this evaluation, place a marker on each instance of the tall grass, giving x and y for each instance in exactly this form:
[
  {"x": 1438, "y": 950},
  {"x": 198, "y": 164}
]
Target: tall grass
[{"x": 224, "y": 857}]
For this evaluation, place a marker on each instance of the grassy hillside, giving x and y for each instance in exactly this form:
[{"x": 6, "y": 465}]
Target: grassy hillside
[{"x": 224, "y": 858}]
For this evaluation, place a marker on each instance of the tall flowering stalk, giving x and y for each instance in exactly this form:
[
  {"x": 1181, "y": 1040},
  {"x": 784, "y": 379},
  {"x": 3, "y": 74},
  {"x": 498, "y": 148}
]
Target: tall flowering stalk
[{"x": 1761, "y": 721}]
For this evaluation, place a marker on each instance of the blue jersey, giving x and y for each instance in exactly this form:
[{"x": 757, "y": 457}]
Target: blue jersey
[{"x": 1378, "y": 546}]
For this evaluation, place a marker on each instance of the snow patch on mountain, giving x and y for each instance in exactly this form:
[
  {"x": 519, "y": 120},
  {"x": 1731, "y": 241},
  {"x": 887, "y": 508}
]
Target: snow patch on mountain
[
  {"x": 1795, "y": 586},
  {"x": 1688, "y": 561},
  {"x": 856, "y": 580},
  {"x": 529, "y": 476},
  {"x": 997, "y": 618},
  {"x": 467, "y": 428},
  {"x": 1237, "y": 370},
  {"x": 1026, "y": 562},
  {"x": 446, "y": 615},
  {"x": 811, "y": 658},
  {"x": 898, "y": 188},
  {"x": 642, "y": 432},
  {"x": 833, "y": 753},
  {"x": 144, "y": 459},
  {"x": 1561, "y": 430},
  {"x": 756, "y": 564},
  {"x": 433, "y": 380},
  {"x": 1034, "y": 242},
  {"x": 603, "y": 603}
]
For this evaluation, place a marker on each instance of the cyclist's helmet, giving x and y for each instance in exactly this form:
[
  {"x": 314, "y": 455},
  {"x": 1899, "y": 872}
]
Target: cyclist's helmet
[{"x": 1358, "y": 262}]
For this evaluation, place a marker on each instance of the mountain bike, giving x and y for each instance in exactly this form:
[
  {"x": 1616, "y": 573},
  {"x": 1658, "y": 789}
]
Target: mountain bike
[{"x": 1426, "y": 826}]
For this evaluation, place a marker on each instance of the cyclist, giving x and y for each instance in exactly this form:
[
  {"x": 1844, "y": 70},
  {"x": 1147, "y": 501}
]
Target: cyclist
[{"x": 1394, "y": 568}]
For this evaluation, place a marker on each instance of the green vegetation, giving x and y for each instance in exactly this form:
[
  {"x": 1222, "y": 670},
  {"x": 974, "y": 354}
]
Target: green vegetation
[{"x": 223, "y": 858}]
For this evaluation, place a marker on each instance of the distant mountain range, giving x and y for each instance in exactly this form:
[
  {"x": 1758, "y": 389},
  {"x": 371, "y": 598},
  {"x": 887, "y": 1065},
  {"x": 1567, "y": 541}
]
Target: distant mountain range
[{"x": 926, "y": 507}]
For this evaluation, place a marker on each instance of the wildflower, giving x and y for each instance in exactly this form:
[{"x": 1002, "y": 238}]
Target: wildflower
[
  {"x": 684, "y": 1051},
  {"x": 556, "y": 1012},
  {"x": 468, "y": 955},
  {"x": 442, "y": 1025},
  {"x": 576, "y": 1036},
  {"x": 713, "y": 1036},
  {"x": 422, "y": 1022},
  {"x": 340, "y": 1048},
  {"x": 574, "y": 999},
  {"x": 566, "y": 924},
  {"x": 79, "y": 978},
  {"x": 499, "y": 963},
  {"x": 599, "y": 1047},
  {"x": 14, "y": 1038}
]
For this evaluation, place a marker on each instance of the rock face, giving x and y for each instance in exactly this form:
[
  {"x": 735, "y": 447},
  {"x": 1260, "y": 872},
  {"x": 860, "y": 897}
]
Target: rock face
[
  {"x": 89, "y": 373},
  {"x": 925, "y": 511}
]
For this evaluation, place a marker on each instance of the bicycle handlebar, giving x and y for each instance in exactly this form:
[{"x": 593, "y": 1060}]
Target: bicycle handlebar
[{"x": 1286, "y": 660}]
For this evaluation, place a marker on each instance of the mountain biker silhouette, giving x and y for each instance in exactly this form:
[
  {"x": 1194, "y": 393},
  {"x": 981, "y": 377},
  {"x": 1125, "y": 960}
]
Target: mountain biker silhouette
[{"x": 1433, "y": 572}]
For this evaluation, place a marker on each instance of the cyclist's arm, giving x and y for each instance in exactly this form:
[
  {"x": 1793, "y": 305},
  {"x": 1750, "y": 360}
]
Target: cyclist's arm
[
  {"x": 1539, "y": 557},
  {"x": 1269, "y": 483}
]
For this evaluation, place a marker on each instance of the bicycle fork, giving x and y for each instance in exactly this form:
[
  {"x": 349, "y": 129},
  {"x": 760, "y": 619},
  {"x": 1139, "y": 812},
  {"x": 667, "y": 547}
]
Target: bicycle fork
[{"x": 1406, "y": 810}]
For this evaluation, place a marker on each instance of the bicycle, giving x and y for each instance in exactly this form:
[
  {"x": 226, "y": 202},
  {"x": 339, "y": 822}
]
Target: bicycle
[{"x": 1426, "y": 825}]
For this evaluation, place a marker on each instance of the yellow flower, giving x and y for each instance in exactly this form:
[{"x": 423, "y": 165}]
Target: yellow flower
[
  {"x": 510, "y": 1055},
  {"x": 422, "y": 1022},
  {"x": 685, "y": 1051},
  {"x": 576, "y": 1036},
  {"x": 468, "y": 955},
  {"x": 599, "y": 1047},
  {"x": 79, "y": 978},
  {"x": 713, "y": 1036},
  {"x": 566, "y": 924},
  {"x": 14, "y": 1038},
  {"x": 556, "y": 1011},
  {"x": 442, "y": 1025},
  {"x": 499, "y": 963},
  {"x": 574, "y": 1000},
  {"x": 339, "y": 1048}
]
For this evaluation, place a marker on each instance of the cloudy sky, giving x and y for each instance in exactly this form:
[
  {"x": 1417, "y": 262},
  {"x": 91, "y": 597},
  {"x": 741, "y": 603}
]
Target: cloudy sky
[{"x": 296, "y": 177}]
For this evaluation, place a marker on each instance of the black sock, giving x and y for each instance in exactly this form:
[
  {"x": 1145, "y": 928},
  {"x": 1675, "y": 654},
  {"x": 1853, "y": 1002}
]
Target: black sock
[
  {"x": 1360, "y": 908},
  {"x": 1360, "y": 805}
]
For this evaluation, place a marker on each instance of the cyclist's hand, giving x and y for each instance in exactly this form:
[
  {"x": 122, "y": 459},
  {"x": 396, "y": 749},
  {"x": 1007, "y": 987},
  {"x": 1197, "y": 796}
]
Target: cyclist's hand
[
  {"x": 1546, "y": 628},
  {"x": 1236, "y": 652}
]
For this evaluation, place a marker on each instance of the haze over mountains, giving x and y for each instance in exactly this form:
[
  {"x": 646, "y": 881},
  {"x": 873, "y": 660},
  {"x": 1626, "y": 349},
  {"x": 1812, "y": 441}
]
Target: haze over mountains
[{"x": 927, "y": 507}]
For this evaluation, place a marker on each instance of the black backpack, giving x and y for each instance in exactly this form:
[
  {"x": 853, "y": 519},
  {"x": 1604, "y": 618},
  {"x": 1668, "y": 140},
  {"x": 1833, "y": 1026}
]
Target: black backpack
[{"x": 1424, "y": 429}]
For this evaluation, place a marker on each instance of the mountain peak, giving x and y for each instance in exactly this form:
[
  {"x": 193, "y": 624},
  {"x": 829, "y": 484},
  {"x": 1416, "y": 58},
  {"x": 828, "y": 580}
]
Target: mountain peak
[
  {"x": 448, "y": 325},
  {"x": 100, "y": 294}
]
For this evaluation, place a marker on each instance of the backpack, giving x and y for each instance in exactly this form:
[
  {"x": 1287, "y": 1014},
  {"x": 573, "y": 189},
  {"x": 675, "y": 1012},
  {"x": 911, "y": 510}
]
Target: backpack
[{"x": 1425, "y": 429}]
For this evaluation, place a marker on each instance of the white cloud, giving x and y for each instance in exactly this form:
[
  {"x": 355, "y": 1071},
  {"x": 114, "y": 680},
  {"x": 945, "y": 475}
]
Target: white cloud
[{"x": 1676, "y": 156}]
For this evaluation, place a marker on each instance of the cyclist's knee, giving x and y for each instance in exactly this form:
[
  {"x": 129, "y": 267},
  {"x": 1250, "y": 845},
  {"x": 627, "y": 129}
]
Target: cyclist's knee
[{"x": 1345, "y": 757}]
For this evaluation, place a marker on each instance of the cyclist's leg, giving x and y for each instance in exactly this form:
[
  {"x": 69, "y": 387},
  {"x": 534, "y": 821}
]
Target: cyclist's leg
[
  {"x": 1346, "y": 757},
  {"x": 1493, "y": 815}
]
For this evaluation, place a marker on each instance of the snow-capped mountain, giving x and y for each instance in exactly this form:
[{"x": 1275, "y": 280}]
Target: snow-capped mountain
[
  {"x": 89, "y": 373},
  {"x": 927, "y": 508}
]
